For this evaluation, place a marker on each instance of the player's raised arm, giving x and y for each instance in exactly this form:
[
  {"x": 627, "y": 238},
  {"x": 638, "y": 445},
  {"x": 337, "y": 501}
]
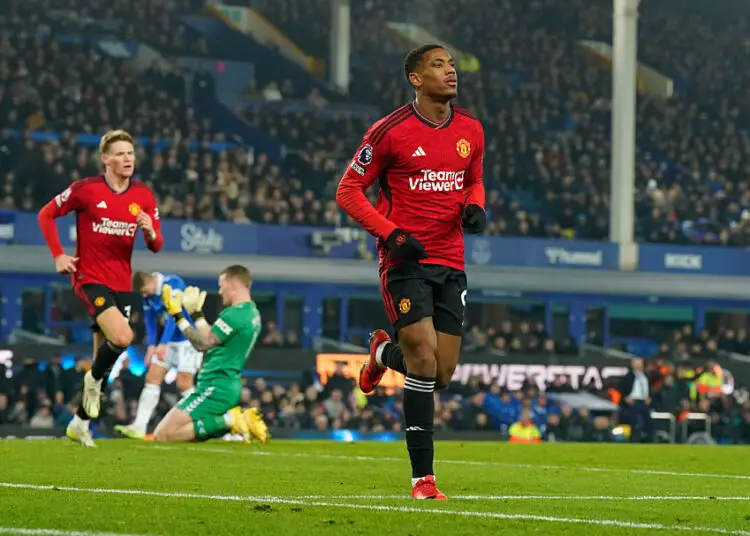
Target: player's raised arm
[
  {"x": 475, "y": 218},
  {"x": 63, "y": 203},
  {"x": 372, "y": 157},
  {"x": 150, "y": 222}
]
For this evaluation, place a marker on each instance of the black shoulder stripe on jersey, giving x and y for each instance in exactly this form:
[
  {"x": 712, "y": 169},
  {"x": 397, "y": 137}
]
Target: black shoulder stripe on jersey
[
  {"x": 464, "y": 112},
  {"x": 384, "y": 125},
  {"x": 388, "y": 123},
  {"x": 391, "y": 125},
  {"x": 80, "y": 183}
]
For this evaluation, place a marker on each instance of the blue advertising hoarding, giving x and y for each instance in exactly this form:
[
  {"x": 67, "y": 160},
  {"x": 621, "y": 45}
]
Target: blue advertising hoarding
[
  {"x": 709, "y": 260},
  {"x": 540, "y": 253},
  {"x": 217, "y": 238}
]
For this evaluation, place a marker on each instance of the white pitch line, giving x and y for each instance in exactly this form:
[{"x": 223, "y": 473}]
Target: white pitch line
[
  {"x": 401, "y": 509},
  {"x": 524, "y": 517},
  {"x": 57, "y": 532},
  {"x": 532, "y": 497},
  {"x": 456, "y": 462}
]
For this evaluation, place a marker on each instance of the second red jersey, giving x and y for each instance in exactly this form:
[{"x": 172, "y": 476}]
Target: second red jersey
[
  {"x": 106, "y": 228},
  {"x": 428, "y": 173}
]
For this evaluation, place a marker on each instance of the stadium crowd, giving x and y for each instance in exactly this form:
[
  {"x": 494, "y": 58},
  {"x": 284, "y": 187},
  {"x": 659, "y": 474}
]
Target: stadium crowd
[
  {"x": 515, "y": 337},
  {"x": 545, "y": 106},
  {"x": 46, "y": 399},
  {"x": 684, "y": 344}
]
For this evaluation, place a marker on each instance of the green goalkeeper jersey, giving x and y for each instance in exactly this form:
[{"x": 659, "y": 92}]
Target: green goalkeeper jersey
[{"x": 238, "y": 328}]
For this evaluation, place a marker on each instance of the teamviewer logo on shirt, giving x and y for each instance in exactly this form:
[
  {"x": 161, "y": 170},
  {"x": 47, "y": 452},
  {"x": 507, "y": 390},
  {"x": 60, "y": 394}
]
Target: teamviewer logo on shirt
[
  {"x": 437, "y": 181},
  {"x": 114, "y": 227}
]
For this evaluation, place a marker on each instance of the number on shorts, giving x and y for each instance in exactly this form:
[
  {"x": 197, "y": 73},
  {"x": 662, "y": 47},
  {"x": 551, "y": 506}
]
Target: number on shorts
[
  {"x": 127, "y": 311},
  {"x": 463, "y": 298}
]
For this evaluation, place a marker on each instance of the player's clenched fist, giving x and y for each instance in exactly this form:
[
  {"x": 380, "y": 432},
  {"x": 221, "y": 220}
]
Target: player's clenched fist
[
  {"x": 474, "y": 220},
  {"x": 145, "y": 222},
  {"x": 404, "y": 246},
  {"x": 172, "y": 299},
  {"x": 192, "y": 299},
  {"x": 65, "y": 264}
]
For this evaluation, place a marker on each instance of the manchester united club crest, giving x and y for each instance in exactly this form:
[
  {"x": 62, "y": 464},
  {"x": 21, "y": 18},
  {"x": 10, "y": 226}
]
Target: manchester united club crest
[
  {"x": 99, "y": 301},
  {"x": 404, "y": 305},
  {"x": 463, "y": 148},
  {"x": 134, "y": 209}
]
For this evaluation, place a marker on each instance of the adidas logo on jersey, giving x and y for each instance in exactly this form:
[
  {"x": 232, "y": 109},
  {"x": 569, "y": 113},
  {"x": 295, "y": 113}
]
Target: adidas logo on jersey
[
  {"x": 419, "y": 152},
  {"x": 102, "y": 204}
]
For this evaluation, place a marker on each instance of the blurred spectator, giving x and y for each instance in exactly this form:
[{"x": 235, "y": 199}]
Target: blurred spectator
[
  {"x": 43, "y": 417},
  {"x": 576, "y": 426},
  {"x": 635, "y": 405},
  {"x": 272, "y": 336},
  {"x": 668, "y": 396},
  {"x": 334, "y": 406},
  {"x": 709, "y": 384},
  {"x": 524, "y": 430},
  {"x": 553, "y": 431}
]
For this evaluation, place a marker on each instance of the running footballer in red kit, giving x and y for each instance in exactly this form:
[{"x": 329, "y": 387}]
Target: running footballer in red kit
[
  {"x": 110, "y": 209},
  {"x": 427, "y": 157}
]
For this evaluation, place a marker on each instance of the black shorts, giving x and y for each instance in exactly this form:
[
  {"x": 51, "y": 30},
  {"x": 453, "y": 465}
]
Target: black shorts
[
  {"x": 99, "y": 298},
  {"x": 412, "y": 292}
]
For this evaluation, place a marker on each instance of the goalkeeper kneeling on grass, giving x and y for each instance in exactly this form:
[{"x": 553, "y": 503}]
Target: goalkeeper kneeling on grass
[{"x": 213, "y": 408}]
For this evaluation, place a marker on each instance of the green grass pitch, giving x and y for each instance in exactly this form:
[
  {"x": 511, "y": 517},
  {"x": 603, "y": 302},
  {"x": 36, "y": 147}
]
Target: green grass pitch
[{"x": 53, "y": 487}]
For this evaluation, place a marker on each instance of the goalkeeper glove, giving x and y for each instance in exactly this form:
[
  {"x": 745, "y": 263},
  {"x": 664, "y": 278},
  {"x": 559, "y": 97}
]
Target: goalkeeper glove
[
  {"x": 192, "y": 300},
  {"x": 172, "y": 300},
  {"x": 404, "y": 246},
  {"x": 474, "y": 220}
]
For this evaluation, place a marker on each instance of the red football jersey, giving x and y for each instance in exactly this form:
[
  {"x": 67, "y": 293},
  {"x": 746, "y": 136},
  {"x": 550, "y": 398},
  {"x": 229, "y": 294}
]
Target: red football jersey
[
  {"x": 106, "y": 229},
  {"x": 428, "y": 173}
]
